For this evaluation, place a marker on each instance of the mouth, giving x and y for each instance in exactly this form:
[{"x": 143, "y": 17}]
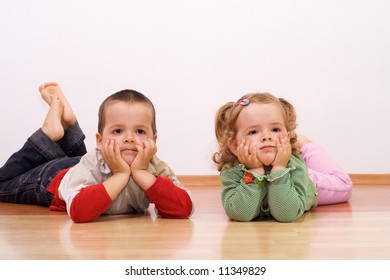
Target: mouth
[
  {"x": 129, "y": 150},
  {"x": 267, "y": 147}
]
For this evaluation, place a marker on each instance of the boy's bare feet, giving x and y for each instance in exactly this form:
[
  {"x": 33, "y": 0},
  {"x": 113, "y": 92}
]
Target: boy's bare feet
[
  {"x": 52, "y": 125},
  {"x": 68, "y": 118},
  {"x": 301, "y": 141}
]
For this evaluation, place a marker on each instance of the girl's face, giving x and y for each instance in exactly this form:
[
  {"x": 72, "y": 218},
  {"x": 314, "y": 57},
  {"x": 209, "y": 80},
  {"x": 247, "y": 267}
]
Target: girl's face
[
  {"x": 127, "y": 123},
  {"x": 260, "y": 125}
]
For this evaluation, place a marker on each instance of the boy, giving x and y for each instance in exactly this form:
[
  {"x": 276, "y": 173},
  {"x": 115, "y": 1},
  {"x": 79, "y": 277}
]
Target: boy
[{"x": 122, "y": 175}]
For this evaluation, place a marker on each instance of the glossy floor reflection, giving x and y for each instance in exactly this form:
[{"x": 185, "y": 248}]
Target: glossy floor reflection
[{"x": 359, "y": 229}]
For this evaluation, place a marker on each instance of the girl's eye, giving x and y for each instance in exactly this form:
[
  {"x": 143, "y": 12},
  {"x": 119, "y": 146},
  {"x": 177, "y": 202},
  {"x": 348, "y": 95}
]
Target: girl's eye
[
  {"x": 140, "y": 131},
  {"x": 276, "y": 129},
  {"x": 252, "y": 132}
]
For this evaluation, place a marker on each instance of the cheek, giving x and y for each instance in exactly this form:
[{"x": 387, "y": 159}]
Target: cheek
[
  {"x": 252, "y": 140},
  {"x": 239, "y": 138},
  {"x": 143, "y": 136},
  {"x": 115, "y": 137},
  {"x": 105, "y": 136}
]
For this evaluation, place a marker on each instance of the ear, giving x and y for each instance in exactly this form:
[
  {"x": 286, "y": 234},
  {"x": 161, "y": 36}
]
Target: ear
[
  {"x": 232, "y": 144},
  {"x": 99, "y": 140},
  {"x": 155, "y": 138}
]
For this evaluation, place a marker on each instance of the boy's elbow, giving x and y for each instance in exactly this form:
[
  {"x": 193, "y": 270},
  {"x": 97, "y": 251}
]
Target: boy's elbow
[
  {"x": 78, "y": 216},
  {"x": 186, "y": 211},
  {"x": 81, "y": 219},
  {"x": 180, "y": 211}
]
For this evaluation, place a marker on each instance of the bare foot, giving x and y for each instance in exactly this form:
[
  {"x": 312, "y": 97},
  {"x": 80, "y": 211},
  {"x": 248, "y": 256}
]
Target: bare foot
[
  {"x": 301, "y": 141},
  {"x": 68, "y": 118},
  {"x": 52, "y": 125},
  {"x": 46, "y": 90}
]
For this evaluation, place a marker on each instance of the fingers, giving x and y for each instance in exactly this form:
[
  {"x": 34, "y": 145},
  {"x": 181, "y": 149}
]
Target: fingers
[
  {"x": 243, "y": 151},
  {"x": 146, "y": 146},
  {"x": 284, "y": 142},
  {"x": 111, "y": 154},
  {"x": 146, "y": 150},
  {"x": 283, "y": 150},
  {"x": 110, "y": 151},
  {"x": 247, "y": 154}
]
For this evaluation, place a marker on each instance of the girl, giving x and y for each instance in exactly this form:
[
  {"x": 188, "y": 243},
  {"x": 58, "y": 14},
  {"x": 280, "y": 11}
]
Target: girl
[
  {"x": 122, "y": 175},
  {"x": 262, "y": 162}
]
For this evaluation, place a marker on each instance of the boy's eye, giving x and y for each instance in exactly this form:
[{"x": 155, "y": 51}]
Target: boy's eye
[
  {"x": 140, "y": 131},
  {"x": 117, "y": 131}
]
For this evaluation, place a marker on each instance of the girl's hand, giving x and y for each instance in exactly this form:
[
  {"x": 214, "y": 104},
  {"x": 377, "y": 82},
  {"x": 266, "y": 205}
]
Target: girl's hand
[
  {"x": 146, "y": 150},
  {"x": 247, "y": 155},
  {"x": 112, "y": 156},
  {"x": 283, "y": 153}
]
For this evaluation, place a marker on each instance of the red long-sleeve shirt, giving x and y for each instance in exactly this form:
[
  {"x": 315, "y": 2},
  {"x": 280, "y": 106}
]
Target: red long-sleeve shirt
[{"x": 92, "y": 201}]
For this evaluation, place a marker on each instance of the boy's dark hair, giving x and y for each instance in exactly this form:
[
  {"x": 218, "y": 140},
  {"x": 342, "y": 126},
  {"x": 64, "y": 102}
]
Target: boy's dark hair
[{"x": 126, "y": 95}]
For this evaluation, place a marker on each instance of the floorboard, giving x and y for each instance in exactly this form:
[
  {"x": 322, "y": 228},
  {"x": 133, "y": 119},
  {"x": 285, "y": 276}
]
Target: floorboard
[{"x": 356, "y": 230}]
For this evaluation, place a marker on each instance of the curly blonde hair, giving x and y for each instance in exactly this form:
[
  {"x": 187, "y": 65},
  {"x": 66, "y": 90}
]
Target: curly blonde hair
[{"x": 225, "y": 125}]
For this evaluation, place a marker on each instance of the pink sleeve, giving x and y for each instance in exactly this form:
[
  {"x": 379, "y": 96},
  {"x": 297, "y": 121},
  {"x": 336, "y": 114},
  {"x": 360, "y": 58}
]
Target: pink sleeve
[
  {"x": 170, "y": 200},
  {"x": 89, "y": 204}
]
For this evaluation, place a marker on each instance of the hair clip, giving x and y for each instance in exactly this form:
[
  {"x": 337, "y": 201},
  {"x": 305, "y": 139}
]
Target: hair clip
[{"x": 244, "y": 102}]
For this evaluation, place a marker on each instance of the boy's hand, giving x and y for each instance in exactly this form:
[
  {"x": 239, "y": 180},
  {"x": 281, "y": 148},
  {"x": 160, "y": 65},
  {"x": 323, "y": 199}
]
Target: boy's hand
[
  {"x": 283, "y": 154},
  {"x": 112, "y": 156},
  {"x": 119, "y": 168},
  {"x": 146, "y": 150}
]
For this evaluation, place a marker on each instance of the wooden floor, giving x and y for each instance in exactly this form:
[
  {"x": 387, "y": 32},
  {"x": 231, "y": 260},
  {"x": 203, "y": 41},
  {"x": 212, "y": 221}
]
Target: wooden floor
[{"x": 359, "y": 229}]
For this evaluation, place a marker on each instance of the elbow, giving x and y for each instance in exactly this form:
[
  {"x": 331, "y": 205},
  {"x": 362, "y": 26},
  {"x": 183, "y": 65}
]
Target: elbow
[
  {"x": 239, "y": 216},
  {"x": 82, "y": 215},
  {"x": 187, "y": 209},
  {"x": 184, "y": 213},
  {"x": 286, "y": 217},
  {"x": 77, "y": 221},
  {"x": 240, "y": 219},
  {"x": 77, "y": 218},
  {"x": 182, "y": 210}
]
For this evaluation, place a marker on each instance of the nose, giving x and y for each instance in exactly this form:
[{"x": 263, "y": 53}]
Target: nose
[
  {"x": 128, "y": 137},
  {"x": 266, "y": 137}
]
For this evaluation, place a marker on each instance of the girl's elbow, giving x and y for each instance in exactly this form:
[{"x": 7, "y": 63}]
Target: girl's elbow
[
  {"x": 239, "y": 216},
  {"x": 286, "y": 217}
]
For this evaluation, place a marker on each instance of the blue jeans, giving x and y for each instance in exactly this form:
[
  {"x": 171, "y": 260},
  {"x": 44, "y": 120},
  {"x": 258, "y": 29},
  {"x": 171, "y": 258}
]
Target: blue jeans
[{"x": 26, "y": 175}]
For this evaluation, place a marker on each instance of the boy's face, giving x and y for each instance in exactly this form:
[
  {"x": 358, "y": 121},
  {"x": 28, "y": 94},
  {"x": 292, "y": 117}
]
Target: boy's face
[
  {"x": 260, "y": 125},
  {"x": 127, "y": 123}
]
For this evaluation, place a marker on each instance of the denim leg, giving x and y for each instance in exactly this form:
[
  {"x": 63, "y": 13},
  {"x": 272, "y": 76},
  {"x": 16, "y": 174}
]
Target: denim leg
[
  {"x": 31, "y": 187},
  {"x": 38, "y": 149},
  {"x": 73, "y": 141},
  {"x": 25, "y": 176}
]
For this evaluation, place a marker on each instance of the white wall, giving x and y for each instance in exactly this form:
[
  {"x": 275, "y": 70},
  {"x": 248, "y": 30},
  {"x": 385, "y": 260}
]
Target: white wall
[{"x": 330, "y": 58}]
